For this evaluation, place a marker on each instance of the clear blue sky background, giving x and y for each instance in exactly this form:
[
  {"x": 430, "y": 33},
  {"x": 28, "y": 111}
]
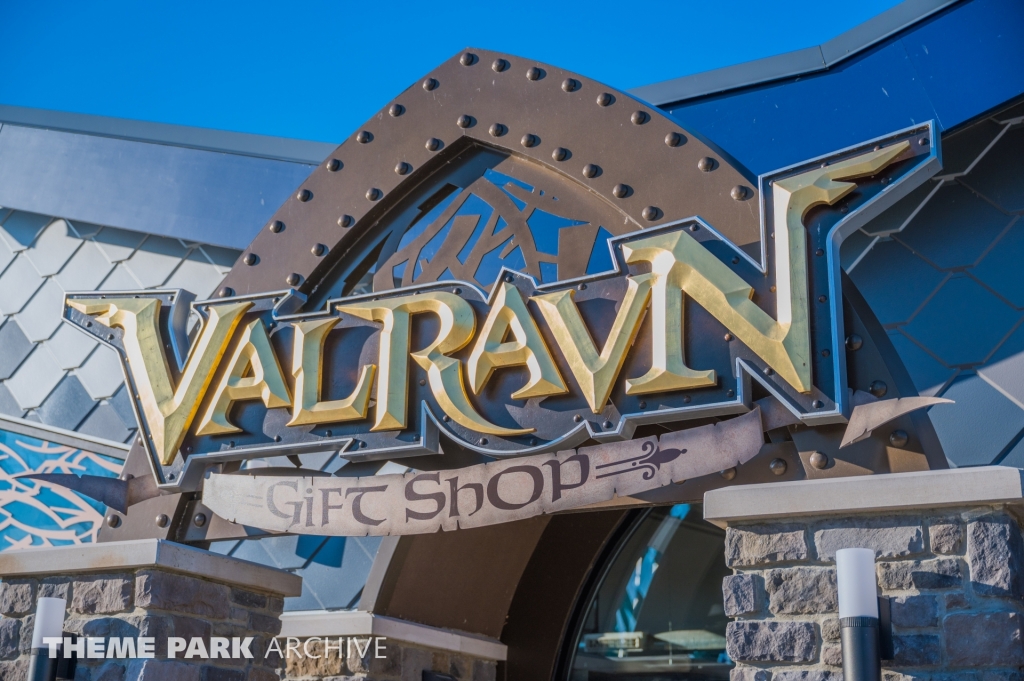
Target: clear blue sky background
[{"x": 317, "y": 70}]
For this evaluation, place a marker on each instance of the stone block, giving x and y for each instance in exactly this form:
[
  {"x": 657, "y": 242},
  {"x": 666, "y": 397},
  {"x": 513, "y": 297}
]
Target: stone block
[
  {"x": 917, "y": 650},
  {"x": 956, "y": 601},
  {"x": 941, "y": 573},
  {"x": 57, "y": 587},
  {"x": 802, "y": 590},
  {"x": 178, "y": 593},
  {"x": 807, "y": 675},
  {"x": 832, "y": 654},
  {"x": 990, "y": 639},
  {"x": 157, "y": 626},
  {"x": 317, "y": 664},
  {"x": 249, "y": 599},
  {"x": 915, "y": 611},
  {"x": 275, "y": 604},
  {"x": 742, "y": 594},
  {"x": 897, "y": 537},
  {"x": 25, "y": 644},
  {"x": 994, "y": 554},
  {"x": 414, "y": 662},
  {"x": 830, "y": 629},
  {"x": 759, "y": 544},
  {"x": 946, "y": 537},
  {"x": 10, "y": 638},
  {"x": 771, "y": 641},
  {"x": 191, "y": 627},
  {"x": 265, "y": 623},
  {"x": 17, "y": 596},
  {"x": 162, "y": 670},
  {"x": 749, "y": 674},
  {"x": 484, "y": 670},
  {"x": 111, "y": 671},
  {"x": 261, "y": 674},
  {"x": 211, "y": 673},
  {"x": 101, "y": 594},
  {"x": 14, "y": 669}
]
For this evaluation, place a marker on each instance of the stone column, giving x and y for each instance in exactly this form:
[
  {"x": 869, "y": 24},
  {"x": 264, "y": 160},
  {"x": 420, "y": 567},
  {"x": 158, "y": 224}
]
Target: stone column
[
  {"x": 950, "y": 555},
  {"x": 408, "y": 649},
  {"x": 151, "y": 588}
]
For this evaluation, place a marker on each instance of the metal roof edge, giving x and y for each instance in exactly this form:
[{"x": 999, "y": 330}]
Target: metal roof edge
[
  {"x": 245, "y": 144},
  {"x": 796, "y": 63},
  {"x": 61, "y": 436}
]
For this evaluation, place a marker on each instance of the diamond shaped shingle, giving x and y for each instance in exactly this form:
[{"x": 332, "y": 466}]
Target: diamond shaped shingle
[
  {"x": 962, "y": 323},
  {"x": 197, "y": 275},
  {"x": 6, "y": 255},
  {"x": 69, "y": 346},
  {"x": 17, "y": 284},
  {"x": 117, "y": 244},
  {"x": 889, "y": 266},
  {"x": 999, "y": 176},
  {"x": 963, "y": 148},
  {"x": 37, "y": 376},
  {"x": 892, "y": 219},
  {"x": 927, "y": 373},
  {"x": 52, "y": 248},
  {"x": 103, "y": 422},
  {"x": 954, "y": 228},
  {"x": 19, "y": 230},
  {"x": 84, "y": 230},
  {"x": 67, "y": 405},
  {"x": 42, "y": 315},
  {"x": 122, "y": 405},
  {"x": 8, "y": 405},
  {"x": 101, "y": 374},
  {"x": 1005, "y": 369},
  {"x": 222, "y": 258},
  {"x": 14, "y": 348},
  {"x": 155, "y": 259},
  {"x": 85, "y": 270},
  {"x": 1000, "y": 268},
  {"x": 979, "y": 425},
  {"x": 119, "y": 279}
]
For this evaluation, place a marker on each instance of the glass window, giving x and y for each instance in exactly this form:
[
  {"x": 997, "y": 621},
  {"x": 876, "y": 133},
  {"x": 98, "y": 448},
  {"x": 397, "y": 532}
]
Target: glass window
[{"x": 657, "y": 613}]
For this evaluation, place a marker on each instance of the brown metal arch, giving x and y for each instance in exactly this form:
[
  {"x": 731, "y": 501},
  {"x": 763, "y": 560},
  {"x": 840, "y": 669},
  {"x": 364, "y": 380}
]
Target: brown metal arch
[{"x": 555, "y": 118}]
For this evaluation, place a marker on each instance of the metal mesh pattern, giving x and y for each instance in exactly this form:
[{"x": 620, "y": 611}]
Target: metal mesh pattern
[
  {"x": 941, "y": 270},
  {"x": 50, "y": 372}
]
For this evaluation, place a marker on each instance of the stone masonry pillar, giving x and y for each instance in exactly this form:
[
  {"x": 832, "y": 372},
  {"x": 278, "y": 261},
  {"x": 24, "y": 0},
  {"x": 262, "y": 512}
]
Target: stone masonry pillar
[
  {"x": 150, "y": 588},
  {"x": 949, "y": 553}
]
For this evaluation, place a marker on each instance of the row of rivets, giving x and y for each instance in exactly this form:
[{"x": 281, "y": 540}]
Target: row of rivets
[{"x": 534, "y": 73}]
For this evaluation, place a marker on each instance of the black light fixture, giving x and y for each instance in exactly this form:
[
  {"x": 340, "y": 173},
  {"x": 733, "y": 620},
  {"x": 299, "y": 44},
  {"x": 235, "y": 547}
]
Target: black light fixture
[
  {"x": 863, "y": 616},
  {"x": 49, "y": 624}
]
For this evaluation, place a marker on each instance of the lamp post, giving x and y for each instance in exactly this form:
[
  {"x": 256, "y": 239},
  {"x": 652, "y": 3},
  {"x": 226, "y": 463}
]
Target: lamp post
[
  {"x": 858, "y": 614},
  {"x": 49, "y": 623}
]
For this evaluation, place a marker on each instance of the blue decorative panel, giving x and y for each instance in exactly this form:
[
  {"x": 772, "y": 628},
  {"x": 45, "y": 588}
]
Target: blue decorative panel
[
  {"x": 951, "y": 68},
  {"x": 888, "y": 264},
  {"x": 37, "y": 514},
  {"x": 979, "y": 426}
]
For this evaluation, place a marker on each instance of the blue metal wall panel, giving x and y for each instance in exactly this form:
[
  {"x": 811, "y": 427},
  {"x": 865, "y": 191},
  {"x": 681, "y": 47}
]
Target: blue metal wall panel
[
  {"x": 951, "y": 68},
  {"x": 190, "y": 194},
  {"x": 778, "y": 125},
  {"x": 970, "y": 60}
]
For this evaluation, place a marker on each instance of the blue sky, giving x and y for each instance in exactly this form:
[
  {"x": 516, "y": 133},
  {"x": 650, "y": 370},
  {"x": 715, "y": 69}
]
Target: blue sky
[{"x": 317, "y": 70}]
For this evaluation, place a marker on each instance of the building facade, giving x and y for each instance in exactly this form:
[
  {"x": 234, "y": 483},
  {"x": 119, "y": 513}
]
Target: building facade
[{"x": 598, "y": 380}]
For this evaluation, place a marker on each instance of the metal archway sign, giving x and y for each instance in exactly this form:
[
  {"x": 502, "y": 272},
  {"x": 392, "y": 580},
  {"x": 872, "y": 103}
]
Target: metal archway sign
[{"x": 508, "y": 261}]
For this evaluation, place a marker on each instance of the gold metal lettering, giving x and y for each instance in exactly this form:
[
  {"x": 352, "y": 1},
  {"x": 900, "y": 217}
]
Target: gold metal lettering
[
  {"x": 596, "y": 371},
  {"x": 444, "y": 374},
  {"x": 253, "y": 373},
  {"x": 508, "y": 314},
  {"x": 668, "y": 365},
  {"x": 307, "y": 368},
  {"x": 784, "y": 343},
  {"x": 168, "y": 411}
]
